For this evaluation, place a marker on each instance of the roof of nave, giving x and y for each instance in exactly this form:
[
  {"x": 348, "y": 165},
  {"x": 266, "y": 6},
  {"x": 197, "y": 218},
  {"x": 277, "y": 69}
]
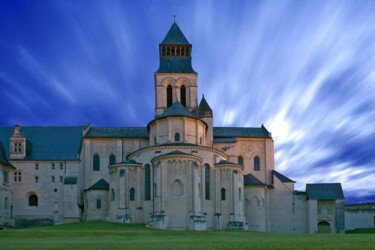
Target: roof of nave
[
  {"x": 176, "y": 109},
  {"x": 281, "y": 177},
  {"x": 100, "y": 185},
  {"x": 137, "y": 132},
  {"x": 324, "y": 191},
  {"x": 47, "y": 142},
  {"x": 175, "y": 36},
  {"x": 252, "y": 180},
  {"x": 233, "y": 132}
]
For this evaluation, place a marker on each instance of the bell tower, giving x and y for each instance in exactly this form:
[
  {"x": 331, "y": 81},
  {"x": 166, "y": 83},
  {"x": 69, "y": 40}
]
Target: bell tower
[{"x": 175, "y": 80}]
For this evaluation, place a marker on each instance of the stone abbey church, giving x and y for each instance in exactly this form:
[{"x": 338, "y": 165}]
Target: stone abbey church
[{"x": 178, "y": 172}]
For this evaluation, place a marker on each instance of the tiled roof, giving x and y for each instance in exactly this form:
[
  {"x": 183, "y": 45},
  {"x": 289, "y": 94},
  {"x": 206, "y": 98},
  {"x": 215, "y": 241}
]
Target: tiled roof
[
  {"x": 281, "y": 177},
  {"x": 175, "y": 65},
  {"x": 175, "y": 36},
  {"x": 233, "y": 132},
  {"x": 176, "y": 109},
  {"x": 252, "y": 180},
  {"x": 48, "y": 142},
  {"x": 100, "y": 185},
  {"x": 324, "y": 191},
  {"x": 139, "y": 132},
  {"x": 70, "y": 180}
]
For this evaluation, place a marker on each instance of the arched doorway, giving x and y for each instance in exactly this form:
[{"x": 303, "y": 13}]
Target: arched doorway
[{"x": 324, "y": 227}]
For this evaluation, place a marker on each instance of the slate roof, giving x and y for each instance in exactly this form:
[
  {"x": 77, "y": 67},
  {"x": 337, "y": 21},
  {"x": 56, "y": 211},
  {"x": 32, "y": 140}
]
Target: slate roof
[
  {"x": 234, "y": 132},
  {"x": 204, "y": 110},
  {"x": 281, "y": 177},
  {"x": 175, "y": 36},
  {"x": 138, "y": 132},
  {"x": 324, "y": 191},
  {"x": 252, "y": 180},
  {"x": 3, "y": 157},
  {"x": 175, "y": 65},
  {"x": 47, "y": 142},
  {"x": 100, "y": 185},
  {"x": 70, "y": 180},
  {"x": 176, "y": 109}
]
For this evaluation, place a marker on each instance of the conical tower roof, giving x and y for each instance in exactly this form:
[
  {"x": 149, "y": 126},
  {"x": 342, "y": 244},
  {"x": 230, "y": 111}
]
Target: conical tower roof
[
  {"x": 175, "y": 36},
  {"x": 204, "y": 109}
]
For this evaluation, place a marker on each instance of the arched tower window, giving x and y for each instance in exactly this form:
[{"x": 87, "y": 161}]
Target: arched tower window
[
  {"x": 132, "y": 194},
  {"x": 169, "y": 96},
  {"x": 112, "y": 159},
  {"x": 207, "y": 181},
  {"x": 96, "y": 163},
  {"x": 223, "y": 194},
  {"x": 240, "y": 160},
  {"x": 147, "y": 183},
  {"x": 33, "y": 200},
  {"x": 256, "y": 163},
  {"x": 177, "y": 137},
  {"x": 183, "y": 95}
]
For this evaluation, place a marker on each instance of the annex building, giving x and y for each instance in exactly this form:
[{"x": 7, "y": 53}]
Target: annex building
[{"x": 176, "y": 172}]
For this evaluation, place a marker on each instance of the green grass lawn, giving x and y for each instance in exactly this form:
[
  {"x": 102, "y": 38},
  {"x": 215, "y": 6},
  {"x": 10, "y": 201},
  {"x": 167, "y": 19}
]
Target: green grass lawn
[{"x": 106, "y": 235}]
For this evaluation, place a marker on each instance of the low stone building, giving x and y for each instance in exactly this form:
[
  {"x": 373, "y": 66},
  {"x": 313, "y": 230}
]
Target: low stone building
[
  {"x": 360, "y": 215},
  {"x": 178, "y": 172}
]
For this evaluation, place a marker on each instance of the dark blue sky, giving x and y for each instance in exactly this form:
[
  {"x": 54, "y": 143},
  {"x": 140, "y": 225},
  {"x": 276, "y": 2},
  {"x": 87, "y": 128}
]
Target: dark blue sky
[{"x": 305, "y": 69}]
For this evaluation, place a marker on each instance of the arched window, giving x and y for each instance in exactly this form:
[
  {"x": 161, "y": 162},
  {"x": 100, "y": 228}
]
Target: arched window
[
  {"x": 177, "y": 137},
  {"x": 96, "y": 163},
  {"x": 98, "y": 204},
  {"x": 147, "y": 183},
  {"x": 169, "y": 96},
  {"x": 177, "y": 188},
  {"x": 113, "y": 197},
  {"x": 112, "y": 159},
  {"x": 256, "y": 163},
  {"x": 132, "y": 194},
  {"x": 183, "y": 95},
  {"x": 33, "y": 200},
  {"x": 155, "y": 190},
  {"x": 207, "y": 181},
  {"x": 240, "y": 160},
  {"x": 155, "y": 141},
  {"x": 223, "y": 194}
]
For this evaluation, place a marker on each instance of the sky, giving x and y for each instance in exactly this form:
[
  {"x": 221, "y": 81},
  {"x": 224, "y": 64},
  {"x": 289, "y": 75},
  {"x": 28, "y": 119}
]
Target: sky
[{"x": 304, "y": 69}]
